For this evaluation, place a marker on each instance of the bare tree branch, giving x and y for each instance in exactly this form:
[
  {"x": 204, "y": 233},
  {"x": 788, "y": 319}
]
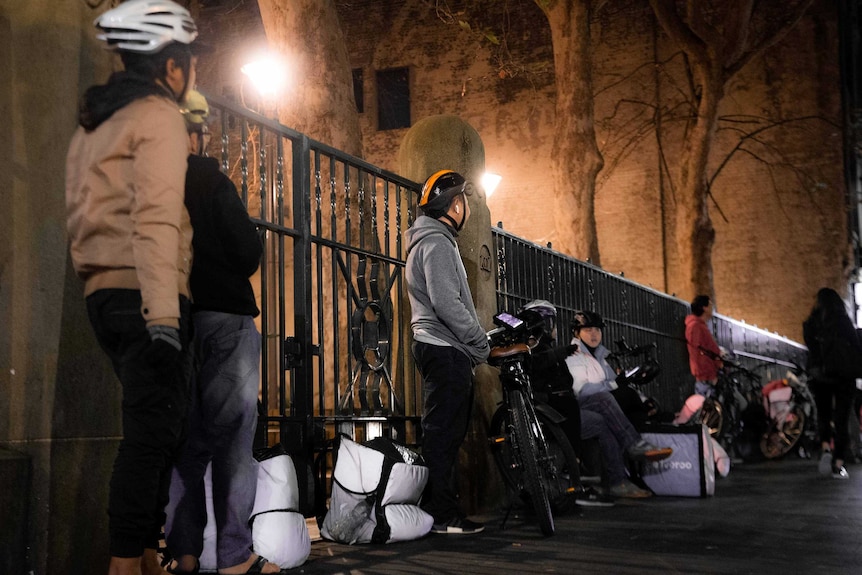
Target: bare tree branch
[{"x": 776, "y": 30}]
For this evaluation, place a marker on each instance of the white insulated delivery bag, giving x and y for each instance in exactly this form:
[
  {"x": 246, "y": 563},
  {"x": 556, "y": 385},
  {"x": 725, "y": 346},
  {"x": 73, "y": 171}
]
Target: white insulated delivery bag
[
  {"x": 376, "y": 489},
  {"x": 690, "y": 471}
]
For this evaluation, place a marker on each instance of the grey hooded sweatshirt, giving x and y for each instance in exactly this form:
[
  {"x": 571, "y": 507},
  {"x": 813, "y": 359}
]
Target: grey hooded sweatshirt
[{"x": 442, "y": 306}]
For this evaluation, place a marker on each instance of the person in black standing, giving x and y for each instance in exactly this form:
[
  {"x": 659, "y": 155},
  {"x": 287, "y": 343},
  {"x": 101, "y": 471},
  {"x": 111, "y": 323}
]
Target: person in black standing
[
  {"x": 832, "y": 346},
  {"x": 448, "y": 341},
  {"x": 552, "y": 384},
  {"x": 223, "y": 410}
]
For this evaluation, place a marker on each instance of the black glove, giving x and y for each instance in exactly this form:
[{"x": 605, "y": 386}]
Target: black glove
[
  {"x": 571, "y": 349},
  {"x": 165, "y": 345}
]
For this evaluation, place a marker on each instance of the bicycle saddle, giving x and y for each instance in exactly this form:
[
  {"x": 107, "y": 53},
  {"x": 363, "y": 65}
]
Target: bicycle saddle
[{"x": 498, "y": 354}]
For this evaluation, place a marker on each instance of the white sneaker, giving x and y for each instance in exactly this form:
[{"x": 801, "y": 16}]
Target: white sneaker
[
  {"x": 824, "y": 467},
  {"x": 840, "y": 473}
]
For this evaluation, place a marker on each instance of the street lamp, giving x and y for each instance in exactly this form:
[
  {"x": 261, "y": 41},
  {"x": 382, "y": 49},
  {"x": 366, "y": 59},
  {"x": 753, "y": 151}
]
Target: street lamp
[
  {"x": 490, "y": 182},
  {"x": 266, "y": 74}
]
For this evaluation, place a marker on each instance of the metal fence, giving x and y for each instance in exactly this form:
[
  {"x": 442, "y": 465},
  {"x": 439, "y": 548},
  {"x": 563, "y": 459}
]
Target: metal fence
[
  {"x": 334, "y": 318},
  {"x": 637, "y": 314}
]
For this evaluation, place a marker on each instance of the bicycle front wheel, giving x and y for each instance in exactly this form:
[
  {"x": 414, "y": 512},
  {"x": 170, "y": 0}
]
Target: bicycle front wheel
[
  {"x": 562, "y": 457},
  {"x": 528, "y": 453}
]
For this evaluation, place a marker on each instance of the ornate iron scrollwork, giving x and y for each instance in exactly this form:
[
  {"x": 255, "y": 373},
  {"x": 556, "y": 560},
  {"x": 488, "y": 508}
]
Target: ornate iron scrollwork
[{"x": 370, "y": 330}]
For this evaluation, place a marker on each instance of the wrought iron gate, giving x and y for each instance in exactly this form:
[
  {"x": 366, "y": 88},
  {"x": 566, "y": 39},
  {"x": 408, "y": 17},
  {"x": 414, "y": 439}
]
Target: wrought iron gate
[{"x": 334, "y": 316}]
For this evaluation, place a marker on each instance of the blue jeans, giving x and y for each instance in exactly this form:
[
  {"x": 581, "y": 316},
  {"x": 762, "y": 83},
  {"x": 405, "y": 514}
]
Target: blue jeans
[
  {"x": 155, "y": 401},
  {"x": 704, "y": 388},
  {"x": 447, "y": 383},
  {"x": 602, "y": 418},
  {"x": 222, "y": 422}
]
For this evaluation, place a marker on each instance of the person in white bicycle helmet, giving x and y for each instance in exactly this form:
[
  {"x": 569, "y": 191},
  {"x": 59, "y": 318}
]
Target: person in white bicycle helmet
[
  {"x": 130, "y": 242},
  {"x": 601, "y": 414}
]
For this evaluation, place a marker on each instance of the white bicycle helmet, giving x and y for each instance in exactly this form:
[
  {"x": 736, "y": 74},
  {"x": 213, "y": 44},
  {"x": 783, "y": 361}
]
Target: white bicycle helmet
[
  {"x": 146, "y": 26},
  {"x": 545, "y": 314}
]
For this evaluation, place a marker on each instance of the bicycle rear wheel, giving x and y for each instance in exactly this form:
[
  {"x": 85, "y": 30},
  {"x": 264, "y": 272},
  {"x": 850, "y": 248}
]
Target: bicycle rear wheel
[
  {"x": 531, "y": 461},
  {"x": 783, "y": 436}
]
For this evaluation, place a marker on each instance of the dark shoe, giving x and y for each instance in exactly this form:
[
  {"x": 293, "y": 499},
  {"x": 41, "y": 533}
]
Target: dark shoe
[
  {"x": 629, "y": 490},
  {"x": 259, "y": 563},
  {"x": 589, "y": 497},
  {"x": 644, "y": 451},
  {"x": 457, "y": 526}
]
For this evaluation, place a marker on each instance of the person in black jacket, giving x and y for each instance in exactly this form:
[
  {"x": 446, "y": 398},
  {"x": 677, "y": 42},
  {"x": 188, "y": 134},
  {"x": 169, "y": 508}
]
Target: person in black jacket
[
  {"x": 223, "y": 412},
  {"x": 552, "y": 384},
  {"x": 832, "y": 346}
]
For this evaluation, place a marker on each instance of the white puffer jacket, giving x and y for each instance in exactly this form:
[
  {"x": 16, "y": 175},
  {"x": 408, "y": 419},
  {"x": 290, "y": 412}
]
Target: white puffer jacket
[{"x": 590, "y": 374}]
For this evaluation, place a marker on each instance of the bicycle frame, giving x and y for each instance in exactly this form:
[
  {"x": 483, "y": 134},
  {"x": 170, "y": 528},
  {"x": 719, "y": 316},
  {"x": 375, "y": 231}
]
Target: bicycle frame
[
  {"x": 514, "y": 378},
  {"x": 522, "y": 451},
  {"x": 732, "y": 397}
]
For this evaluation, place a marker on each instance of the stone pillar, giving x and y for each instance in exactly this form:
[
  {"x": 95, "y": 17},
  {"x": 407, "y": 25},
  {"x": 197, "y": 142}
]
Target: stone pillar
[
  {"x": 59, "y": 412},
  {"x": 447, "y": 142}
]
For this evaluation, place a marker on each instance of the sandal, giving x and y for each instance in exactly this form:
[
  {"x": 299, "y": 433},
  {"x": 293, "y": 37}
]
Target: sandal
[{"x": 177, "y": 571}]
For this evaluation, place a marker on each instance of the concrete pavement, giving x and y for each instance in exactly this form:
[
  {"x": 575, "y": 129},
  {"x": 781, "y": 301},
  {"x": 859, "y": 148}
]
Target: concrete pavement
[{"x": 765, "y": 517}]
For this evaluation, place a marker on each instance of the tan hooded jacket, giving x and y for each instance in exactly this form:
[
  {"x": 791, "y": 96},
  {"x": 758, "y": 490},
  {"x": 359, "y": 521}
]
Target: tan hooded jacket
[{"x": 127, "y": 223}]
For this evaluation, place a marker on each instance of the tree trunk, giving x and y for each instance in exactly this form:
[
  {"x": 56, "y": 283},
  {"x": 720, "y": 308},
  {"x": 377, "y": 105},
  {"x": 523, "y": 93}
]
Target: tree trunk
[
  {"x": 695, "y": 234},
  {"x": 576, "y": 157},
  {"x": 318, "y": 99}
]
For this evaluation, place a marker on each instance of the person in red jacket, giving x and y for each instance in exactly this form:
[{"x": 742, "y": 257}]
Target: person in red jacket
[{"x": 704, "y": 355}]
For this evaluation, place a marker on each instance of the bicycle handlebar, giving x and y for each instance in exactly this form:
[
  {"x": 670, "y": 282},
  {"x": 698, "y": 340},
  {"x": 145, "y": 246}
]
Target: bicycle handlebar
[
  {"x": 746, "y": 372},
  {"x": 628, "y": 351}
]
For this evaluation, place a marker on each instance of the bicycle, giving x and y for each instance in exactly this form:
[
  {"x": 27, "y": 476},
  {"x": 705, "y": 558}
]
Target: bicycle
[
  {"x": 736, "y": 395},
  {"x": 636, "y": 365},
  {"x": 793, "y": 417},
  {"x": 530, "y": 449}
]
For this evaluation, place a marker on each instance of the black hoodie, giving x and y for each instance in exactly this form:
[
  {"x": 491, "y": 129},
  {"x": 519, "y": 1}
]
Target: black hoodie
[{"x": 100, "y": 102}]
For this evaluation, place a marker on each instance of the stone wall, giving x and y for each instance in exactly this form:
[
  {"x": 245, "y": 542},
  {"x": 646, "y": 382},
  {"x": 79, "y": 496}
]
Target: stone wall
[{"x": 60, "y": 401}]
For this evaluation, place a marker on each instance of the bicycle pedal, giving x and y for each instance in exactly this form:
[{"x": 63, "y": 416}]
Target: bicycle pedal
[{"x": 497, "y": 440}]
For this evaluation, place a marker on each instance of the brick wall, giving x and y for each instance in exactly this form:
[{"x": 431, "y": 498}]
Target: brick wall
[{"x": 778, "y": 208}]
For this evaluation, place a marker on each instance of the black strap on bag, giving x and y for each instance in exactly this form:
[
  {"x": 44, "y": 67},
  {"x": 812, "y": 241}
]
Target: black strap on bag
[
  {"x": 382, "y": 531},
  {"x": 392, "y": 453}
]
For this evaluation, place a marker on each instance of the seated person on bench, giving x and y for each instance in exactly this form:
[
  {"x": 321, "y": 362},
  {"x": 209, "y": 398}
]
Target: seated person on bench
[{"x": 592, "y": 373}]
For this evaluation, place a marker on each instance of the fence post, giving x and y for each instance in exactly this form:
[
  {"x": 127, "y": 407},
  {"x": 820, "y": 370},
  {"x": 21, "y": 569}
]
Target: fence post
[{"x": 447, "y": 142}]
